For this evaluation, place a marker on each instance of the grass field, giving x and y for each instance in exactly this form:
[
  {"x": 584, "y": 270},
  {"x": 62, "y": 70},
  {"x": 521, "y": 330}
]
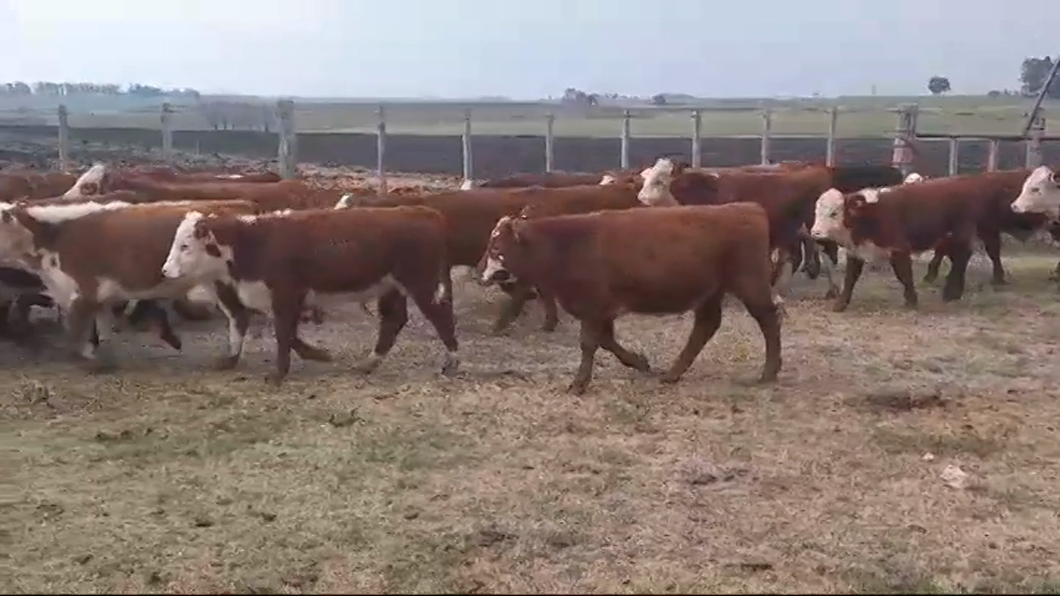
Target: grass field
[
  {"x": 860, "y": 116},
  {"x": 171, "y": 478}
]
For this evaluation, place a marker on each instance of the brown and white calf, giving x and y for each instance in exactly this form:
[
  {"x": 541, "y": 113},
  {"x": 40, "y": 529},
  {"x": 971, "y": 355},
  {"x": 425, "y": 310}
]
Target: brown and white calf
[
  {"x": 601, "y": 266},
  {"x": 273, "y": 260},
  {"x": 894, "y": 224},
  {"x": 109, "y": 255}
]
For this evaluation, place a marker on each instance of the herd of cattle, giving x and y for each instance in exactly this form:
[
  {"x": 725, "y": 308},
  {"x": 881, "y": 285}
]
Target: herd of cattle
[{"x": 141, "y": 243}]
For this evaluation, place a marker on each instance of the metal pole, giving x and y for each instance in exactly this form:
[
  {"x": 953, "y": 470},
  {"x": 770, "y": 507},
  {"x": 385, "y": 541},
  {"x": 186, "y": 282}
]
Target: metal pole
[{"x": 1041, "y": 96}]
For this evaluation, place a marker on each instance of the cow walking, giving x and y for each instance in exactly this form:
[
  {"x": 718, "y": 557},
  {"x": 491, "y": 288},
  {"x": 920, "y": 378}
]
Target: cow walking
[{"x": 600, "y": 266}]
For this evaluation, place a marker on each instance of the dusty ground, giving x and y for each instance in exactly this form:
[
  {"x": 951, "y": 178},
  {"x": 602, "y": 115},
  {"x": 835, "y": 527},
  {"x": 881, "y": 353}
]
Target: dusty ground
[{"x": 170, "y": 478}]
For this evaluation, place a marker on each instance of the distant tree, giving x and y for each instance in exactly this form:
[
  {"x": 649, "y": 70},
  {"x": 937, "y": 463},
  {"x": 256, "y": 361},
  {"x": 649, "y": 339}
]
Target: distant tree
[
  {"x": 576, "y": 96},
  {"x": 938, "y": 85},
  {"x": 1033, "y": 73},
  {"x": 658, "y": 99},
  {"x": 995, "y": 93}
]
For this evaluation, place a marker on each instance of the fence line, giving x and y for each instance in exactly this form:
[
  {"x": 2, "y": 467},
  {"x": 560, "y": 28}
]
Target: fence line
[{"x": 906, "y": 139}]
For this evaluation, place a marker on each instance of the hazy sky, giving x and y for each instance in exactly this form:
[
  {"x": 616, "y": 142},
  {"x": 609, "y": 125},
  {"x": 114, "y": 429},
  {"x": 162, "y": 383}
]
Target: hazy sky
[{"x": 467, "y": 48}]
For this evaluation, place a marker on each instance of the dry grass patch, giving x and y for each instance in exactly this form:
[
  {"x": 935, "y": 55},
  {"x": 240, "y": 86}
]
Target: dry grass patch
[{"x": 171, "y": 478}]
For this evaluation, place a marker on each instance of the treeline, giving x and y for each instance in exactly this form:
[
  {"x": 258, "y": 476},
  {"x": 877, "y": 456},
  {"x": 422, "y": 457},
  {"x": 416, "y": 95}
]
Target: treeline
[{"x": 48, "y": 88}]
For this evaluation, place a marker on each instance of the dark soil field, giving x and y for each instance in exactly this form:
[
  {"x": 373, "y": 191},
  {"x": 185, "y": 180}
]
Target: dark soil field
[{"x": 900, "y": 452}]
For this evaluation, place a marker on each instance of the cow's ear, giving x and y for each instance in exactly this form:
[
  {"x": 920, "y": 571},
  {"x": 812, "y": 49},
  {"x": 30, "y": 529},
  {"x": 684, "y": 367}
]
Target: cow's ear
[{"x": 855, "y": 204}]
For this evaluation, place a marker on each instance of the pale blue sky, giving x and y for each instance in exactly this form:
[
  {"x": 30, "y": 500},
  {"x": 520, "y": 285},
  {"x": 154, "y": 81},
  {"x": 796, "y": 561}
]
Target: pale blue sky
[{"x": 468, "y": 48}]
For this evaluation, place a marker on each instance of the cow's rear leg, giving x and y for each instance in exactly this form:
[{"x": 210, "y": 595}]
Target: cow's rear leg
[
  {"x": 761, "y": 304},
  {"x": 954, "y": 288},
  {"x": 437, "y": 307},
  {"x": 393, "y": 315},
  {"x": 589, "y": 338},
  {"x": 548, "y": 302},
  {"x": 707, "y": 322},
  {"x": 902, "y": 264},
  {"x": 933, "y": 267}
]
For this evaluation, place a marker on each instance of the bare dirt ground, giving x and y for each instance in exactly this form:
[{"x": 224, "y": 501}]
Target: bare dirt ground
[{"x": 168, "y": 477}]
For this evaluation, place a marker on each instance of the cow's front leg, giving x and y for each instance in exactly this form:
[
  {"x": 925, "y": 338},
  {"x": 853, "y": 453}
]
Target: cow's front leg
[
  {"x": 238, "y": 321},
  {"x": 853, "y": 272},
  {"x": 902, "y": 263},
  {"x": 286, "y": 311},
  {"x": 86, "y": 318},
  {"x": 590, "y": 343}
]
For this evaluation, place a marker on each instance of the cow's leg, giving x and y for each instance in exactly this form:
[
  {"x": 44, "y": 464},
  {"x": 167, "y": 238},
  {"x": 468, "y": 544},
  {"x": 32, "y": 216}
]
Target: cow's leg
[
  {"x": 902, "y": 263},
  {"x": 590, "y": 342},
  {"x": 959, "y": 253},
  {"x": 706, "y": 324},
  {"x": 84, "y": 315},
  {"x": 154, "y": 310},
  {"x": 812, "y": 258},
  {"x": 828, "y": 264},
  {"x": 437, "y": 307},
  {"x": 548, "y": 302},
  {"x": 853, "y": 272},
  {"x": 238, "y": 320},
  {"x": 933, "y": 266},
  {"x": 286, "y": 314},
  {"x": 393, "y": 315},
  {"x": 627, "y": 357},
  {"x": 751, "y": 288},
  {"x": 519, "y": 294},
  {"x": 992, "y": 247}
]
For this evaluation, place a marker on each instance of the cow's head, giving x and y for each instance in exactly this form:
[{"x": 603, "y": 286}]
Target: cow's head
[
  {"x": 503, "y": 251},
  {"x": 195, "y": 252},
  {"x": 913, "y": 178},
  {"x": 94, "y": 182},
  {"x": 657, "y": 179},
  {"x": 1040, "y": 193},
  {"x": 837, "y": 216}
]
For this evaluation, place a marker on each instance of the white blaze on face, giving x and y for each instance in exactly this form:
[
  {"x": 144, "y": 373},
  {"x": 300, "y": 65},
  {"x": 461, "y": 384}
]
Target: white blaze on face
[
  {"x": 1040, "y": 193},
  {"x": 656, "y": 189},
  {"x": 188, "y": 256},
  {"x": 92, "y": 178},
  {"x": 828, "y": 218},
  {"x": 494, "y": 260}
]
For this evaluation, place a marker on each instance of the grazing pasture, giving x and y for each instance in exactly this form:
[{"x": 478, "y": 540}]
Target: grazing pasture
[{"x": 168, "y": 477}]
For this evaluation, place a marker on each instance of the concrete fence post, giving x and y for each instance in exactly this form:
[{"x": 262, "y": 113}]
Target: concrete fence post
[
  {"x": 1033, "y": 157},
  {"x": 626, "y": 134},
  {"x": 833, "y": 125},
  {"x": 64, "y": 139},
  {"x": 288, "y": 148},
  {"x": 697, "y": 136},
  {"x": 550, "y": 139},
  {"x": 167, "y": 133},
  {"x": 380, "y": 150},
  {"x": 902, "y": 156},
  {"x": 466, "y": 144},
  {"x": 767, "y": 134}
]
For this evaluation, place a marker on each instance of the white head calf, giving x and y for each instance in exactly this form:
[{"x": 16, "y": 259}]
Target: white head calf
[
  {"x": 504, "y": 237},
  {"x": 195, "y": 252},
  {"x": 608, "y": 180},
  {"x": 828, "y": 223},
  {"x": 656, "y": 189},
  {"x": 1040, "y": 193}
]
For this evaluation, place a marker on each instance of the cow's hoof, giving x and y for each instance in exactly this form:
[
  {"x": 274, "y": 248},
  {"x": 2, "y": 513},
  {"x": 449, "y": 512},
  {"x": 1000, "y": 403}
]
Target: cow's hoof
[
  {"x": 831, "y": 294},
  {"x": 669, "y": 378},
  {"x": 549, "y": 326},
  {"x": 839, "y": 307},
  {"x": 929, "y": 278},
  {"x": 173, "y": 341},
  {"x": 578, "y": 387},
  {"x": 226, "y": 363},
  {"x": 369, "y": 365},
  {"x": 640, "y": 363},
  {"x": 274, "y": 379},
  {"x": 451, "y": 366}
]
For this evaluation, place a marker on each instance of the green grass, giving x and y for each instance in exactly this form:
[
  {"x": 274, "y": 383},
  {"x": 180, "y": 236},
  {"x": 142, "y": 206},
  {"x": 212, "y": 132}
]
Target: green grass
[{"x": 859, "y": 116}]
